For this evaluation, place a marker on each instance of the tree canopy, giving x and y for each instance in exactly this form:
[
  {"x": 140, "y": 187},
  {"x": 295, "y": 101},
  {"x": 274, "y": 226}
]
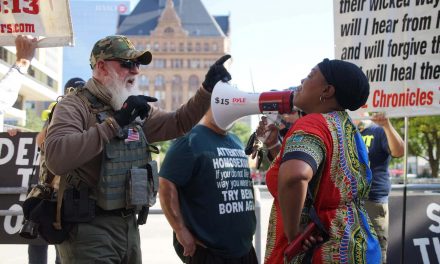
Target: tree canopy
[{"x": 424, "y": 139}]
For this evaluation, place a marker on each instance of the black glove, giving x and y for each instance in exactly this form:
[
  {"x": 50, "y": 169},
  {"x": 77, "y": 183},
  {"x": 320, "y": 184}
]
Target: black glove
[
  {"x": 217, "y": 72},
  {"x": 134, "y": 106}
]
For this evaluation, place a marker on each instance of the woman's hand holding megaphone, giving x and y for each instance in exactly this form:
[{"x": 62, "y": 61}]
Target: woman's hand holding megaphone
[
  {"x": 267, "y": 132},
  {"x": 217, "y": 72}
]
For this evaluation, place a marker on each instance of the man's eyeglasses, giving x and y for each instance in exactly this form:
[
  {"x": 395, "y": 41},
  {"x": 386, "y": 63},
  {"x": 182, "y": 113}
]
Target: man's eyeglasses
[{"x": 128, "y": 64}]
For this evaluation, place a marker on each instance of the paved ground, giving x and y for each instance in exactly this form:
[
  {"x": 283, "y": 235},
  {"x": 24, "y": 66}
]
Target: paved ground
[{"x": 156, "y": 238}]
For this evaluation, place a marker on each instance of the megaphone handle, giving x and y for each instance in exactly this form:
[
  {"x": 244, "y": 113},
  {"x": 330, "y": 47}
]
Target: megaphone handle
[{"x": 271, "y": 119}]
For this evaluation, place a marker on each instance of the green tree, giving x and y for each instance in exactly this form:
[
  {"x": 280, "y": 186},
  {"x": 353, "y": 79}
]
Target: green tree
[
  {"x": 243, "y": 131},
  {"x": 424, "y": 139},
  {"x": 33, "y": 121},
  {"x": 163, "y": 147}
]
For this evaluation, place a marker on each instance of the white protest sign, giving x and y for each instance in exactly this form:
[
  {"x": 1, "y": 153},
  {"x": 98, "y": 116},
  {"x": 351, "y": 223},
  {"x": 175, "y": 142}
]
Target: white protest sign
[
  {"x": 49, "y": 20},
  {"x": 397, "y": 45}
]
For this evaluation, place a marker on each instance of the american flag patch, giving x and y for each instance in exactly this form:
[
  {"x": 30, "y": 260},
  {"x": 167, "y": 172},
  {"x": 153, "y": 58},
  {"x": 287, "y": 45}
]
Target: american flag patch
[{"x": 133, "y": 135}]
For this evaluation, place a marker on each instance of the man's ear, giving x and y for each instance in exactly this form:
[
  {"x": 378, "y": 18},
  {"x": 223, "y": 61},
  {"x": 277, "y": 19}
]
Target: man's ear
[{"x": 101, "y": 67}]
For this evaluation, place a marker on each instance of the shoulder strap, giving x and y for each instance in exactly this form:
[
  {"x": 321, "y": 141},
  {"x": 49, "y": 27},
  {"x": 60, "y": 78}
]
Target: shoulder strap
[
  {"x": 61, "y": 189},
  {"x": 96, "y": 107}
]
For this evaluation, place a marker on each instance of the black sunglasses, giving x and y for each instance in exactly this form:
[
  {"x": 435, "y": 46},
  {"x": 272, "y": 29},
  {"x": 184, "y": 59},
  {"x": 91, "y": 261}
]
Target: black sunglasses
[{"x": 128, "y": 64}]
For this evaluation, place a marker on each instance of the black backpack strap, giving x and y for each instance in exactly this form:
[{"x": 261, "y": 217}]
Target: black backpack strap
[{"x": 96, "y": 107}]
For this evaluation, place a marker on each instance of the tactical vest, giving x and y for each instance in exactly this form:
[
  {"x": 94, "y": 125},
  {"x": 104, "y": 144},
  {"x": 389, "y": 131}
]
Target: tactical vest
[{"x": 128, "y": 177}]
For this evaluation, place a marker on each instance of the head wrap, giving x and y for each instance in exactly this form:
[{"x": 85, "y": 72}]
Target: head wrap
[{"x": 351, "y": 84}]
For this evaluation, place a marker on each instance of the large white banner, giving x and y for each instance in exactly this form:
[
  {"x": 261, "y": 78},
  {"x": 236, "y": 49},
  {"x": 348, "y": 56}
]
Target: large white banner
[
  {"x": 49, "y": 20},
  {"x": 397, "y": 44}
]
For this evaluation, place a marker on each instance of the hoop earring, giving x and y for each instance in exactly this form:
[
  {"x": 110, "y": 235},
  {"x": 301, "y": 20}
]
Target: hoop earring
[{"x": 321, "y": 99}]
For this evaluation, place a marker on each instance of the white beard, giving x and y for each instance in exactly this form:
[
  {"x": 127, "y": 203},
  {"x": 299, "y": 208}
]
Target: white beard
[{"x": 120, "y": 89}]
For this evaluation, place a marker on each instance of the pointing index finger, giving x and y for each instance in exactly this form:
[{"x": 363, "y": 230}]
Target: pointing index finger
[
  {"x": 150, "y": 99},
  {"x": 222, "y": 59}
]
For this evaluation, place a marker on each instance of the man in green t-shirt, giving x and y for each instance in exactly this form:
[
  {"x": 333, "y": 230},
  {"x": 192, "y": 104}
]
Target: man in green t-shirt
[{"x": 207, "y": 196}]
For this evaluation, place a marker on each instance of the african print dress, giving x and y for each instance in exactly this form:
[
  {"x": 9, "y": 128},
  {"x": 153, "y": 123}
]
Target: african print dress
[{"x": 333, "y": 147}]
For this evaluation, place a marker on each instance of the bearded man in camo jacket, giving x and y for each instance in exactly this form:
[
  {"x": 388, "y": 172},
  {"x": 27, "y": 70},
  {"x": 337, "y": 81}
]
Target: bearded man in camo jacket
[{"x": 99, "y": 142}]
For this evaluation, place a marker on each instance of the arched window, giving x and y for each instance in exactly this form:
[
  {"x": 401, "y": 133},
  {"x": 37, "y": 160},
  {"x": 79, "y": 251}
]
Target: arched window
[
  {"x": 168, "y": 30},
  {"x": 193, "y": 85},
  {"x": 176, "y": 92},
  {"x": 159, "y": 90},
  {"x": 156, "y": 46}
]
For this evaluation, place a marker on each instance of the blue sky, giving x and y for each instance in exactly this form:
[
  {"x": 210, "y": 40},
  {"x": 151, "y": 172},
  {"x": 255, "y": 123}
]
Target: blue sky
[{"x": 278, "y": 41}]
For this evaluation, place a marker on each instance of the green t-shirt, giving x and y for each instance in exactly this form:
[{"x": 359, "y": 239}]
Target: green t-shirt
[{"x": 212, "y": 176}]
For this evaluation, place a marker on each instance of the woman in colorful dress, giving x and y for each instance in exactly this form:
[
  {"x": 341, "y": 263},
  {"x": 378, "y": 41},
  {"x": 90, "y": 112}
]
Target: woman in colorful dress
[{"x": 321, "y": 173}]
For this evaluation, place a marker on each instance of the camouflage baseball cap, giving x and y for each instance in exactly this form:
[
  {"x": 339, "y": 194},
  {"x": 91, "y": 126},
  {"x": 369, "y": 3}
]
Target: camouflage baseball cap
[{"x": 118, "y": 47}]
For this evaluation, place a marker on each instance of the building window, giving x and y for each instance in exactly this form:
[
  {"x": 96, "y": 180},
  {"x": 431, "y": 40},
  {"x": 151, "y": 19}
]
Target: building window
[
  {"x": 31, "y": 71},
  {"x": 49, "y": 81},
  {"x": 207, "y": 63},
  {"x": 168, "y": 30},
  {"x": 172, "y": 46},
  {"x": 193, "y": 85},
  {"x": 140, "y": 46},
  {"x": 177, "y": 63},
  {"x": 165, "y": 46},
  {"x": 189, "y": 47},
  {"x": 214, "y": 47},
  {"x": 194, "y": 63},
  {"x": 181, "y": 47},
  {"x": 156, "y": 46},
  {"x": 159, "y": 81},
  {"x": 144, "y": 83},
  {"x": 176, "y": 92},
  {"x": 3, "y": 54},
  {"x": 198, "y": 47},
  {"x": 160, "y": 63},
  {"x": 159, "y": 90},
  {"x": 144, "y": 67},
  {"x": 206, "y": 47}
]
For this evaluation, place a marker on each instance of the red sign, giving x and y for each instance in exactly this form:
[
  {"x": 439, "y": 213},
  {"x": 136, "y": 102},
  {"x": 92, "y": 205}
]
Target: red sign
[{"x": 241, "y": 100}]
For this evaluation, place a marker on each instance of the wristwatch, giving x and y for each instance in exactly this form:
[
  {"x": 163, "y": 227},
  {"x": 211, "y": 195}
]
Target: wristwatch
[{"x": 21, "y": 69}]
